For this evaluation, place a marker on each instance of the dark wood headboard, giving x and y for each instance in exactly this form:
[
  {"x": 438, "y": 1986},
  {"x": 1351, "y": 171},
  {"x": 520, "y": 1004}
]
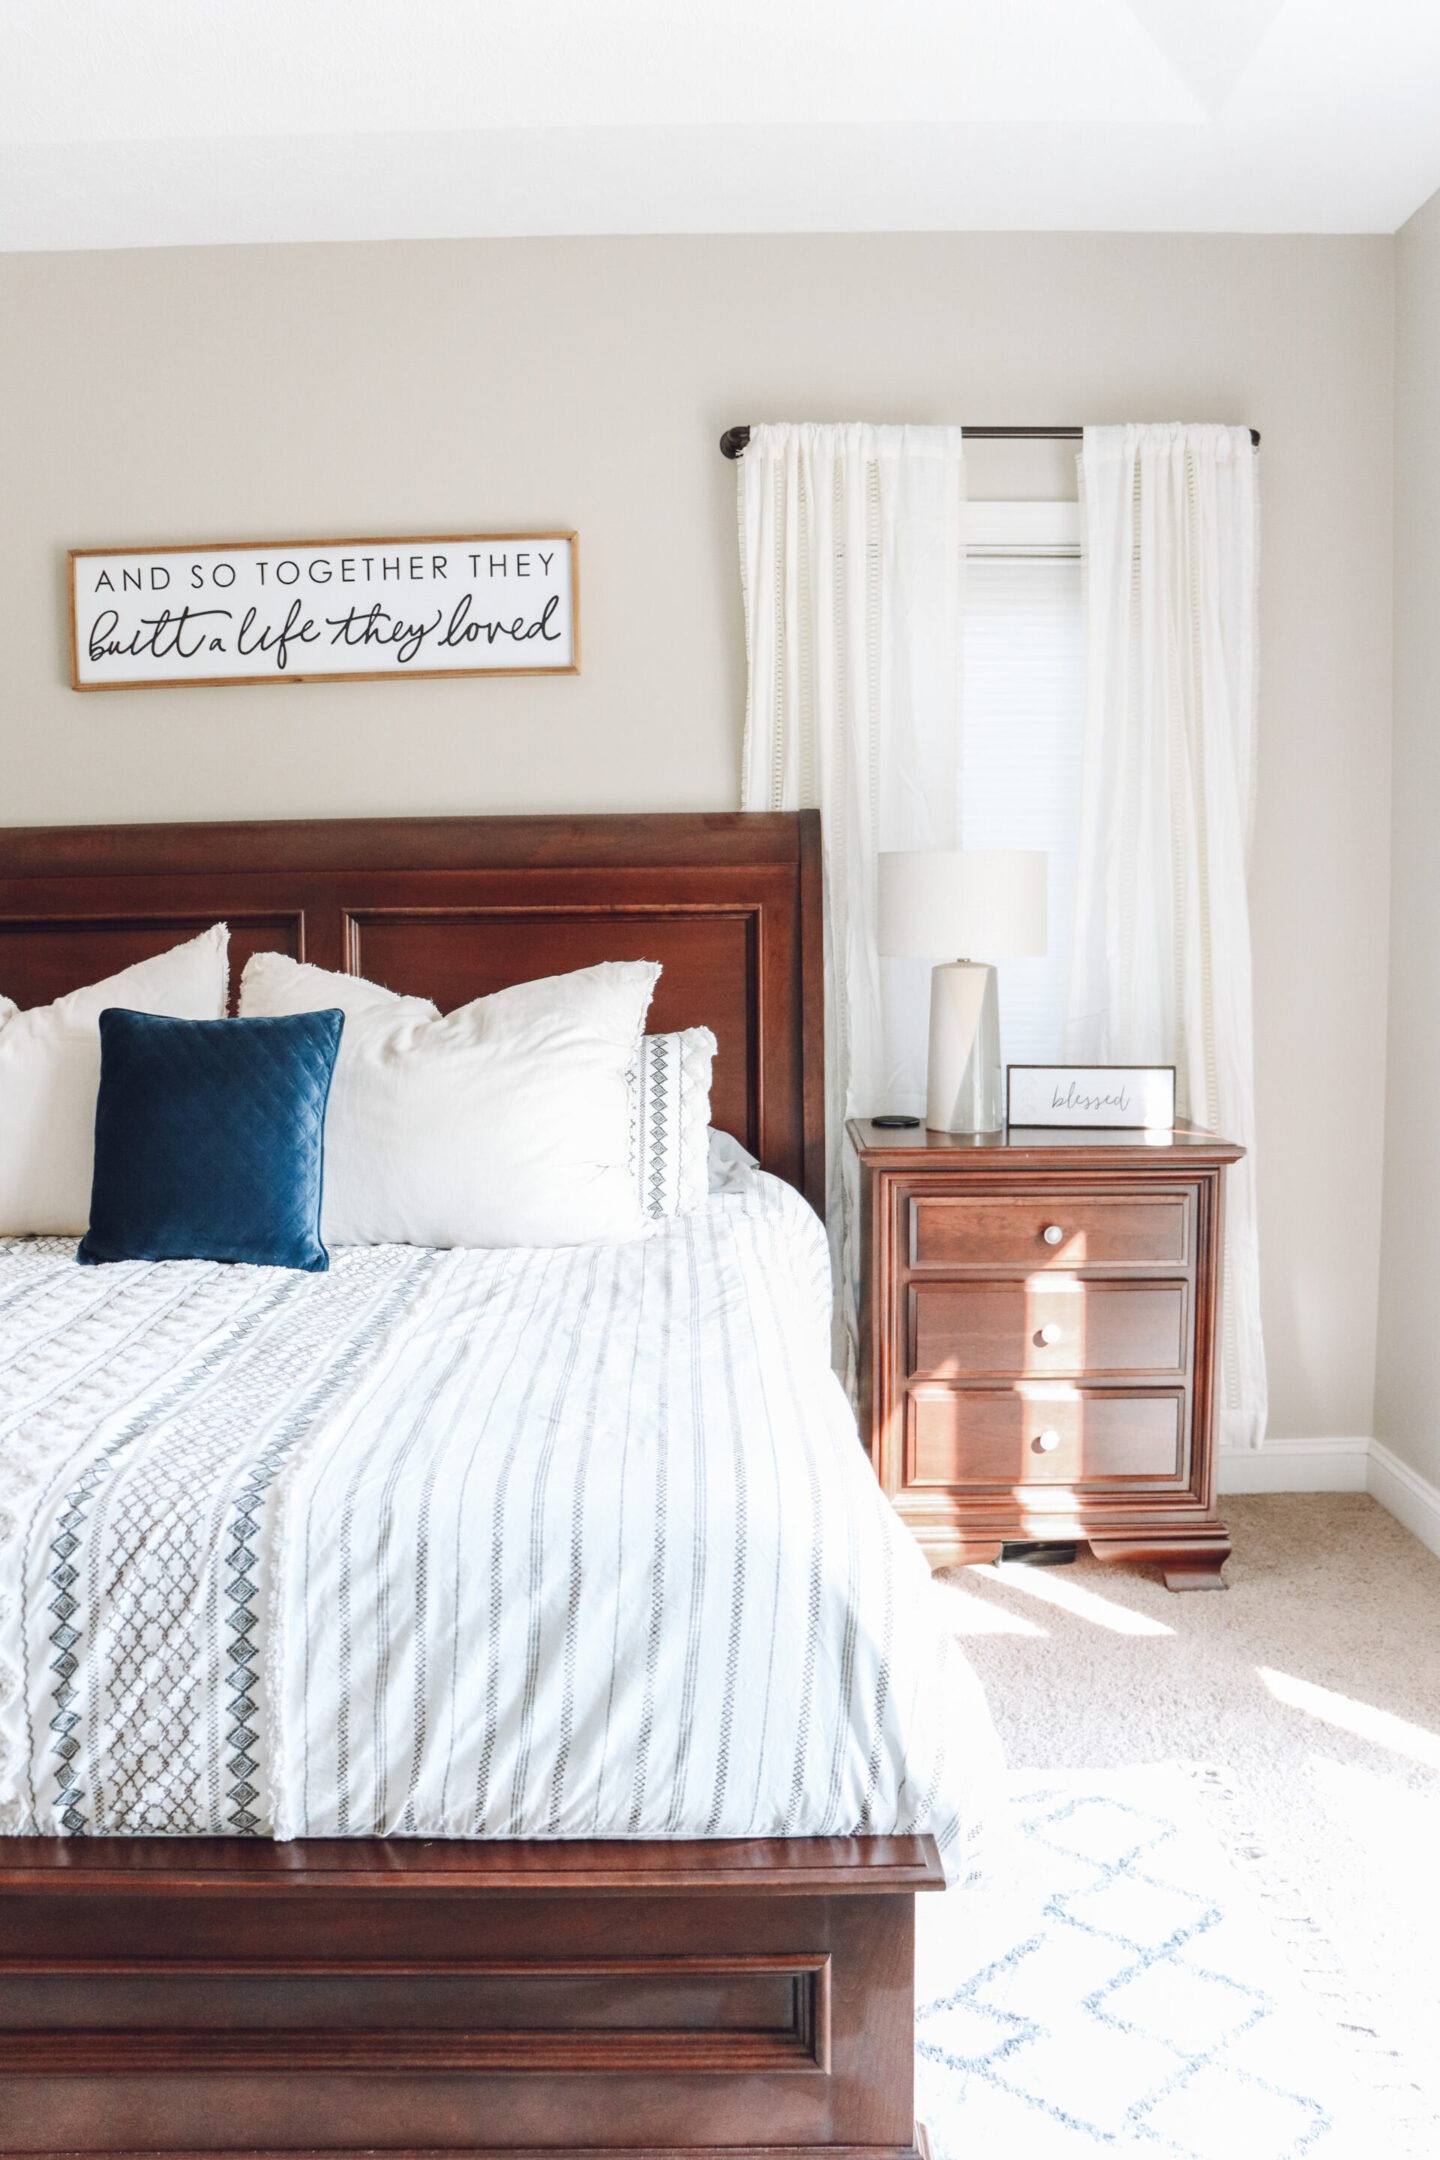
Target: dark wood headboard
[{"x": 449, "y": 908}]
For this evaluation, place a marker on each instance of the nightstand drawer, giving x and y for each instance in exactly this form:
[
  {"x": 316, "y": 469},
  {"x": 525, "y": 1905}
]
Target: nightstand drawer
[
  {"x": 1003, "y": 1436},
  {"x": 961, "y": 1330},
  {"x": 1010, "y": 1230}
]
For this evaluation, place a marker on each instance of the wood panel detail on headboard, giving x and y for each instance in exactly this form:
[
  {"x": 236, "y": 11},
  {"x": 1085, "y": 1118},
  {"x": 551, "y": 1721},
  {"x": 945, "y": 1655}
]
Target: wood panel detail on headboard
[{"x": 450, "y": 908}]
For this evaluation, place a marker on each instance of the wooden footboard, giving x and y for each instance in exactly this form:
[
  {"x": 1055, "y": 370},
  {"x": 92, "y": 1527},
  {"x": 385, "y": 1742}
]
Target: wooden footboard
[{"x": 242, "y": 1998}]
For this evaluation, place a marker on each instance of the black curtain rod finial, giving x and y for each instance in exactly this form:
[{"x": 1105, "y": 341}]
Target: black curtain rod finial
[{"x": 733, "y": 441}]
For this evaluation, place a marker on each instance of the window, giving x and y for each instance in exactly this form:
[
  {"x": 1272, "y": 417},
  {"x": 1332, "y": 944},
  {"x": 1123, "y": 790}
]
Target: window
[{"x": 1020, "y": 751}]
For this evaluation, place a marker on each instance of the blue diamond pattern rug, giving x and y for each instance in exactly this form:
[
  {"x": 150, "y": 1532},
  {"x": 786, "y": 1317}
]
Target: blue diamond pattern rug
[{"x": 1114, "y": 1988}]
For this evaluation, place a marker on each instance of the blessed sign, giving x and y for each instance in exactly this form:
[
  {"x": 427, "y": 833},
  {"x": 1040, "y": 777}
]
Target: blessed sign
[
  {"x": 1139, "y": 1096},
  {"x": 323, "y": 610}
]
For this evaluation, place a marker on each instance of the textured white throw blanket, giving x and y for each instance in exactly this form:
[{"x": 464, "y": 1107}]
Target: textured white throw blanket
[{"x": 470, "y": 1544}]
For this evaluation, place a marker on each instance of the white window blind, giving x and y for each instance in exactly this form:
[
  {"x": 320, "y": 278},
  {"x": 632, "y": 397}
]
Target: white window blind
[{"x": 1021, "y": 740}]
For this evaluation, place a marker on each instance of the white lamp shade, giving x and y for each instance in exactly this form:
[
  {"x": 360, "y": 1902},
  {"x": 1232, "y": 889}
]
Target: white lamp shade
[{"x": 952, "y": 903}]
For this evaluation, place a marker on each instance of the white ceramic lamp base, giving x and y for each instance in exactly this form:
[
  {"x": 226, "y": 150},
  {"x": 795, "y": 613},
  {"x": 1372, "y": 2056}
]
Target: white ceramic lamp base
[{"x": 964, "y": 1093}]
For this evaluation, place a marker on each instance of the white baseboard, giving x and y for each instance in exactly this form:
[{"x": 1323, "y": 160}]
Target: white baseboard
[
  {"x": 1337, "y": 1465},
  {"x": 1408, "y": 1496},
  {"x": 1332, "y": 1465}
]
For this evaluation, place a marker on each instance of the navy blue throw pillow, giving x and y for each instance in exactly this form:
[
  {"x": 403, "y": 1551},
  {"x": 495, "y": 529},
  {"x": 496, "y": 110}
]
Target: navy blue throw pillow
[{"x": 210, "y": 1138}]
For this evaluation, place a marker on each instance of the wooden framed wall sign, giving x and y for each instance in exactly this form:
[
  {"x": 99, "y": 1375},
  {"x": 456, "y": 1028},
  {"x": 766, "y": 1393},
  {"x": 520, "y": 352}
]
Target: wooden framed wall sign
[
  {"x": 1140, "y": 1097},
  {"x": 324, "y": 610}
]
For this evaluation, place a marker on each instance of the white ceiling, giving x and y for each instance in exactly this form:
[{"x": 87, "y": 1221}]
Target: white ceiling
[{"x": 134, "y": 123}]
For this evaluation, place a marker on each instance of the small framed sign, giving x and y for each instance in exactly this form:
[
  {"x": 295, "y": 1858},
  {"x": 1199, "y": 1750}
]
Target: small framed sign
[
  {"x": 1128, "y": 1096},
  {"x": 323, "y": 611}
]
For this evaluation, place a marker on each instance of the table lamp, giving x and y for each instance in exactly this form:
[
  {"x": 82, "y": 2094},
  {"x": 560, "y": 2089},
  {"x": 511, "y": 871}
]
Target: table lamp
[{"x": 952, "y": 900}]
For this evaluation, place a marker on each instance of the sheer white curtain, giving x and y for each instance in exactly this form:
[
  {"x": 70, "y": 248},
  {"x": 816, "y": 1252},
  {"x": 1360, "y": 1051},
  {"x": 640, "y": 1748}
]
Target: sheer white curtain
[
  {"x": 1161, "y": 964},
  {"x": 852, "y": 551}
]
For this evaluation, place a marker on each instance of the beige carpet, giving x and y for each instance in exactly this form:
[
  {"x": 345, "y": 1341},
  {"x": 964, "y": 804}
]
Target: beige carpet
[{"x": 1314, "y": 1681}]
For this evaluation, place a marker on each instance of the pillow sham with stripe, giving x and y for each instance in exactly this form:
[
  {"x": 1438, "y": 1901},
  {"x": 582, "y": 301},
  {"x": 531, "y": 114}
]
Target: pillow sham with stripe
[
  {"x": 668, "y": 1080},
  {"x": 670, "y": 1120}
]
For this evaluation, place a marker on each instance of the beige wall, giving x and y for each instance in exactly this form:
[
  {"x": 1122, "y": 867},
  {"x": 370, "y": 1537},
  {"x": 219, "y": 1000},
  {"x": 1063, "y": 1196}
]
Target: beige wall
[
  {"x": 1407, "y": 1392},
  {"x": 310, "y": 392}
]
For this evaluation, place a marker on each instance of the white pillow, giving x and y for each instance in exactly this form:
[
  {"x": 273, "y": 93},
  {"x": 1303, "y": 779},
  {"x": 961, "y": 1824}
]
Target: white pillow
[
  {"x": 506, "y": 1122},
  {"x": 274, "y": 983},
  {"x": 50, "y": 1076},
  {"x": 670, "y": 1120}
]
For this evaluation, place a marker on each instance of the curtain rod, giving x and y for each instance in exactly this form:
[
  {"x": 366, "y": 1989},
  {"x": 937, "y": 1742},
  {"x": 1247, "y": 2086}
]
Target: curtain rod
[{"x": 734, "y": 439}]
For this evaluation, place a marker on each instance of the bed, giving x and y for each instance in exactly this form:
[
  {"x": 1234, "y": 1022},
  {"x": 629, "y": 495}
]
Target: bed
[{"x": 642, "y": 1877}]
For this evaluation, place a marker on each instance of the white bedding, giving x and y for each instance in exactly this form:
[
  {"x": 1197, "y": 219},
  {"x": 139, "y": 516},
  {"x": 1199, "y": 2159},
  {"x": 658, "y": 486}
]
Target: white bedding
[{"x": 506, "y": 1544}]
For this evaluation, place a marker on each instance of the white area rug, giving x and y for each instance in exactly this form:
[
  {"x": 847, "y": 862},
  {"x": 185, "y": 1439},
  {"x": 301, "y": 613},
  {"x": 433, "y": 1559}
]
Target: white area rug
[{"x": 1115, "y": 1988}]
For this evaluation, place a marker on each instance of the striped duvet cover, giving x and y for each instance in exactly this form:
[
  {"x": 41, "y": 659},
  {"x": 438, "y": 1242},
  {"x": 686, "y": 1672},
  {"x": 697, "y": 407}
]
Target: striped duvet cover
[{"x": 571, "y": 1543}]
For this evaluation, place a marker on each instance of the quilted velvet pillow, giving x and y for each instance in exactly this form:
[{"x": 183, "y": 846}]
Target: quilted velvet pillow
[
  {"x": 50, "y": 1071},
  {"x": 209, "y": 1139},
  {"x": 506, "y": 1122}
]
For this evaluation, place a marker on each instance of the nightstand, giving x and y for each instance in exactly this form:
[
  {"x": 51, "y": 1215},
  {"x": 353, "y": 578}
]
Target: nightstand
[{"x": 1037, "y": 1340}]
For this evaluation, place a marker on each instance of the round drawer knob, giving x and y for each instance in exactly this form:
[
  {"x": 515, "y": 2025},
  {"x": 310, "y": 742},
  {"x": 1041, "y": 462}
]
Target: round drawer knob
[
  {"x": 1047, "y": 1441},
  {"x": 1051, "y": 1333},
  {"x": 1053, "y": 1234}
]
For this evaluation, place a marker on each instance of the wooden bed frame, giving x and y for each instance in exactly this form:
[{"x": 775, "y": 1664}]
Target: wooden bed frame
[{"x": 238, "y": 1997}]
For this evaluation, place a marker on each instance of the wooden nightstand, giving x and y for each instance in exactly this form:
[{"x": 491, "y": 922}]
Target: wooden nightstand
[{"x": 1037, "y": 1340}]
